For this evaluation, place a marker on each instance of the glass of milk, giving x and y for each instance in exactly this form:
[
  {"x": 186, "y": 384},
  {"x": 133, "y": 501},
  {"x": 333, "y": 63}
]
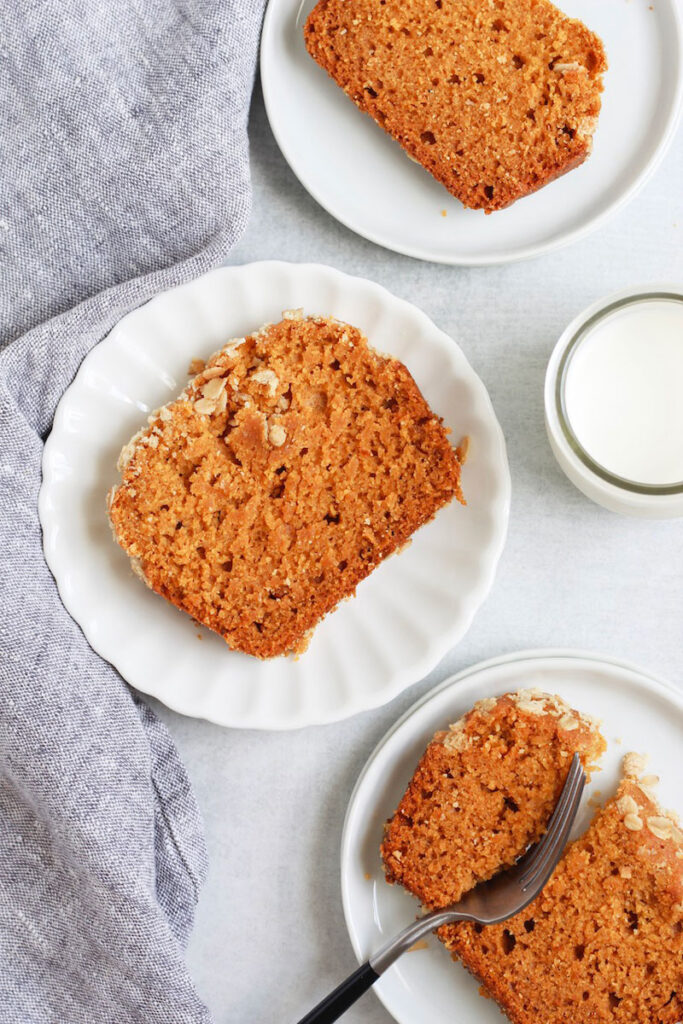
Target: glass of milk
[{"x": 614, "y": 402}]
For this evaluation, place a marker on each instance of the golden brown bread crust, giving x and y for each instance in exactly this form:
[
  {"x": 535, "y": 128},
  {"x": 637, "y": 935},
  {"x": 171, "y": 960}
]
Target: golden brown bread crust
[
  {"x": 292, "y": 464},
  {"x": 495, "y": 98},
  {"x": 482, "y": 792},
  {"x": 603, "y": 943}
]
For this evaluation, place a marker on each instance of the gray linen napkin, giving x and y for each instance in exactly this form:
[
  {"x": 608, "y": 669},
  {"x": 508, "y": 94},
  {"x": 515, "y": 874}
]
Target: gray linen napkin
[{"x": 123, "y": 171}]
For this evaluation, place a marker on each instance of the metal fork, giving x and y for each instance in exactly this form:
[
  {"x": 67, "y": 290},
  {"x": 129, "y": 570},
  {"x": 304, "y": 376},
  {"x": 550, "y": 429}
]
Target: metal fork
[{"x": 503, "y": 896}]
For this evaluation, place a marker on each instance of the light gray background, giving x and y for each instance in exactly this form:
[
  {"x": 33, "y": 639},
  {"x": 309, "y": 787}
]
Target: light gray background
[{"x": 270, "y": 936}]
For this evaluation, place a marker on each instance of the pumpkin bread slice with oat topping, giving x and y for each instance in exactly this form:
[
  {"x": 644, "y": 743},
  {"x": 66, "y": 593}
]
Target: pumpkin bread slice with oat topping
[
  {"x": 603, "y": 943},
  {"x": 483, "y": 791},
  {"x": 294, "y": 462}
]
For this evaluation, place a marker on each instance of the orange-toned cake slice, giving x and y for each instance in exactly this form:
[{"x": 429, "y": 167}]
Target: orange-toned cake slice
[
  {"x": 290, "y": 466},
  {"x": 494, "y": 97},
  {"x": 483, "y": 791},
  {"x": 603, "y": 943}
]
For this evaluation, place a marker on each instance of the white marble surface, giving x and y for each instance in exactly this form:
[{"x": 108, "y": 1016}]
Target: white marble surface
[{"x": 270, "y": 936}]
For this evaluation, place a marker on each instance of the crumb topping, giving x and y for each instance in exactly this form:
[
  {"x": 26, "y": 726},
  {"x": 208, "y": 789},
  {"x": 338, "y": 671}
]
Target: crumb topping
[{"x": 531, "y": 701}]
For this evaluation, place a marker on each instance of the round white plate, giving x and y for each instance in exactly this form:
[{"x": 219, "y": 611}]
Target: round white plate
[
  {"x": 638, "y": 713},
  {"x": 406, "y": 615},
  {"x": 363, "y": 178}
]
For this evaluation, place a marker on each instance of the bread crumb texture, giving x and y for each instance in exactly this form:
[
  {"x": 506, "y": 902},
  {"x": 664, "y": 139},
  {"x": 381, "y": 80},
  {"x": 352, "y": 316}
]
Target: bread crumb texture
[
  {"x": 604, "y": 940},
  {"x": 292, "y": 464},
  {"x": 494, "y": 97},
  {"x": 483, "y": 791}
]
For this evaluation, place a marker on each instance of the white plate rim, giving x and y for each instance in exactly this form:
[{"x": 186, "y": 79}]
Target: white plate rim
[
  {"x": 402, "y": 678},
  {"x": 514, "y": 255},
  {"x": 649, "y": 682}
]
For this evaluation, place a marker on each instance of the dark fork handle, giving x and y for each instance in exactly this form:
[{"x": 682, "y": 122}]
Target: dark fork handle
[
  {"x": 367, "y": 974},
  {"x": 331, "y": 1007}
]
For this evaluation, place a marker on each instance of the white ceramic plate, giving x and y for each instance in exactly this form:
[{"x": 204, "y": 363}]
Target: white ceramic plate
[
  {"x": 363, "y": 178},
  {"x": 639, "y": 713},
  {"x": 406, "y": 615}
]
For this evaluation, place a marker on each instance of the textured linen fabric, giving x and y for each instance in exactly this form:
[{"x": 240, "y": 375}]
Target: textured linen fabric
[{"x": 123, "y": 171}]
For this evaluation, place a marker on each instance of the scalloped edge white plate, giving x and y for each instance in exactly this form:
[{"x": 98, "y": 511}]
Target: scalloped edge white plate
[
  {"x": 363, "y": 178},
  {"x": 405, "y": 616},
  {"x": 638, "y": 711}
]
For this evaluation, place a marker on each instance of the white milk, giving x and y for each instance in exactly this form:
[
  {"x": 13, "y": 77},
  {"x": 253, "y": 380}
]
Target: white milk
[{"x": 624, "y": 392}]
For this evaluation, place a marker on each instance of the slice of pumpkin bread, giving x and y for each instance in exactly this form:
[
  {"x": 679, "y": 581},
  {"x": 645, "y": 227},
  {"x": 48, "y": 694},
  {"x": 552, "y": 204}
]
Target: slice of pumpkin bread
[
  {"x": 495, "y": 98},
  {"x": 290, "y": 466},
  {"x": 603, "y": 943},
  {"x": 483, "y": 791}
]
